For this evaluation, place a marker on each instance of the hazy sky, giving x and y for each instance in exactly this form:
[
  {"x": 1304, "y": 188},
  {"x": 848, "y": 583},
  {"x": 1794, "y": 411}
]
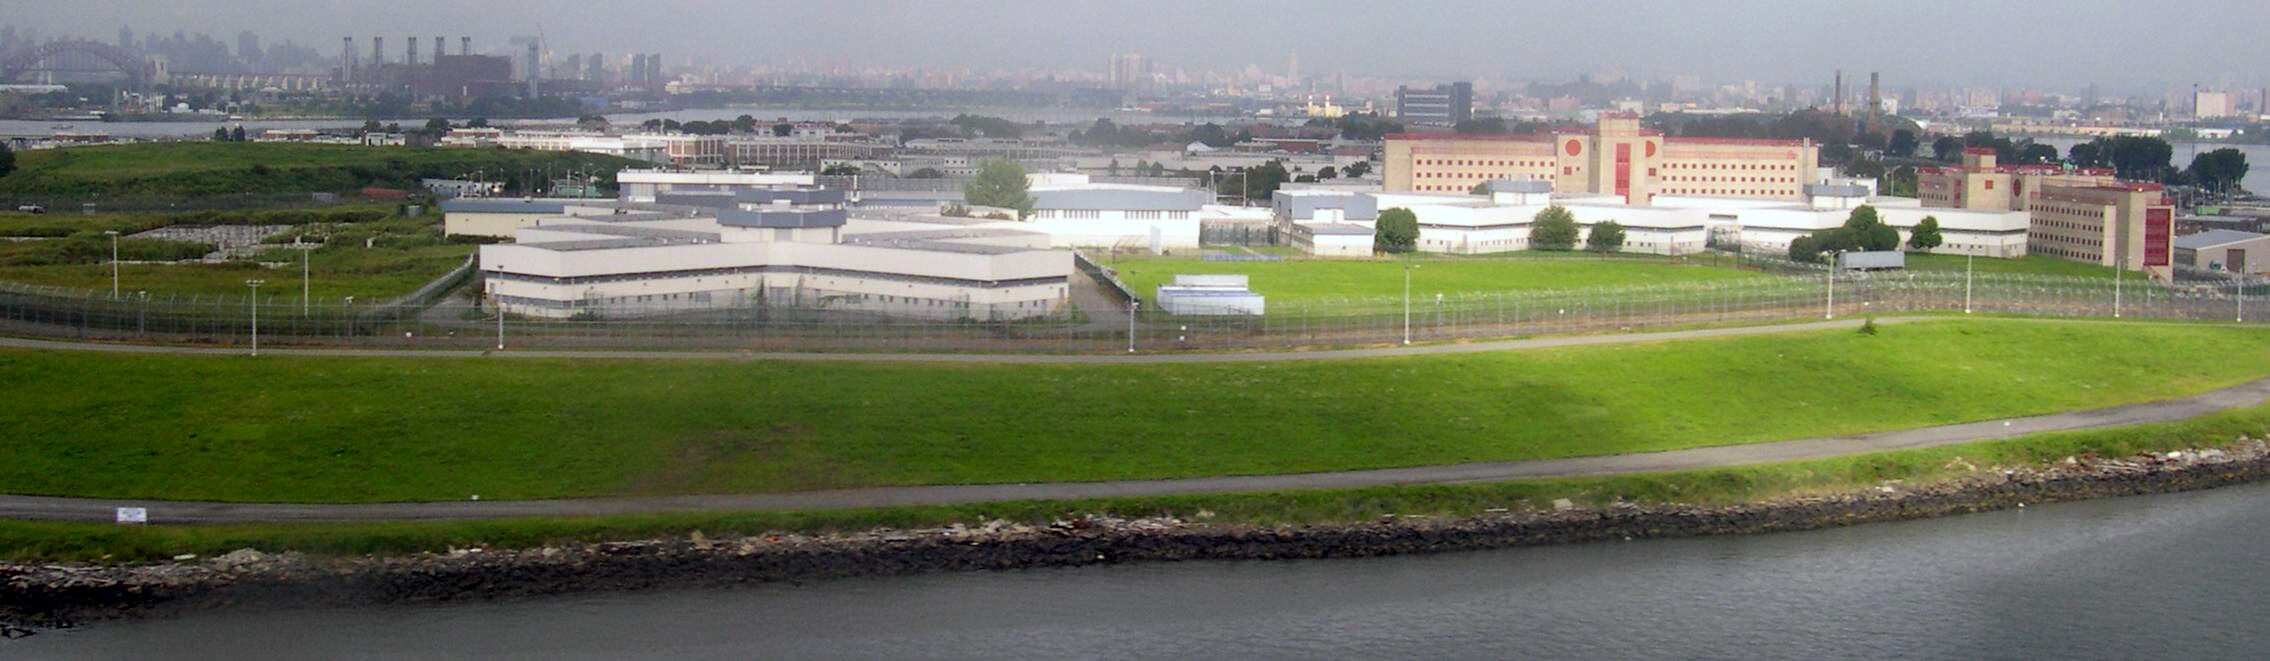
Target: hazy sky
[{"x": 2144, "y": 45}]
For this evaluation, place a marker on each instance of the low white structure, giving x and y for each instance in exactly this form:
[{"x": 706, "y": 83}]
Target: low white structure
[
  {"x": 2230, "y": 251},
  {"x": 499, "y": 217},
  {"x": 1333, "y": 239},
  {"x": 1084, "y": 215},
  {"x": 1210, "y": 295},
  {"x": 755, "y": 248},
  {"x": 643, "y": 185}
]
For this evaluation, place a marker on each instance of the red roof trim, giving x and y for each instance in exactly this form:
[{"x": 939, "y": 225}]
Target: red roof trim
[
  {"x": 1514, "y": 137},
  {"x": 1986, "y": 151},
  {"x": 1767, "y": 142}
]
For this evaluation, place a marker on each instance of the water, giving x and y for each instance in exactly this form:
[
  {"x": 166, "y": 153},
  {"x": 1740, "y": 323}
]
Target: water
[
  {"x": 44, "y": 128},
  {"x": 2257, "y": 156},
  {"x": 2175, "y": 576}
]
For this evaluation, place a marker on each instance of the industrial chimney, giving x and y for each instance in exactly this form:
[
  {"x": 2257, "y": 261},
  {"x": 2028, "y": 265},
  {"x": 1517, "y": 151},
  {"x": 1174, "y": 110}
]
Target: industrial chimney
[
  {"x": 464, "y": 45},
  {"x": 1875, "y": 101},
  {"x": 347, "y": 61},
  {"x": 1838, "y": 102},
  {"x": 438, "y": 51}
]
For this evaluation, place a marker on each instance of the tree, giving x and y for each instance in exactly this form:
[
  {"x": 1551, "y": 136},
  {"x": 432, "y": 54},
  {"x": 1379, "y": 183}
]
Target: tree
[
  {"x": 840, "y": 170},
  {"x": 1553, "y": 228},
  {"x": 2035, "y": 153},
  {"x": 371, "y": 126},
  {"x": 1805, "y": 249},
  {"x": 1327, "y": 173},
  {"x": 2222, "y": 169},
  {"x": 221, "y": 135},
  {"x": 478, "y": 123},
  {"x": 1864, "y": 168},
  {"x": 1947, "y": 149},
  {"x": 1606, "y": 236},
  {"x": 237, "y": 134},
  {"x": 1869, "y": 231},
  {"x": 1480, "y": 125},
  {"x": 926, "y": 173},
  {"x": 2085, "y": 155},
  {"x": 1902, "y": 144},
  {"x": 1357, "y": 169},
  {"x": 1479, "y": 189},
  {"x": 1925, "y": 236},
  {"x": 7, "y": 159},
  {"x": 438, "y": 126},
  {"x": 1900, "y": 182},
  {"x": 1000, "y": 184},
  {"x": 1396, "y": 231},
  {"x": 782, "y": 129},
  {"x": 1262, "y": 180}
]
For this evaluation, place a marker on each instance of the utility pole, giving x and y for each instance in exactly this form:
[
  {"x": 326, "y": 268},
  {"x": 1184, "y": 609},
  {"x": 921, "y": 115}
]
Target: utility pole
[
  {"x": 1967, "y": 259},
  {"x": 1407, "y": 301},
  {"x": 1829, "y": 312},
  {"x": 304, "y": 287},
  {"x": 1132, "y": 307},
  {"x": 113, "y": 262},
  {"x": 255, "y": 300}
]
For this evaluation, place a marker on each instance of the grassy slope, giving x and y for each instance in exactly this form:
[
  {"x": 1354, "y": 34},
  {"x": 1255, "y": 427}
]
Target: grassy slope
[
  {"x": 227, "y": 168},
  {"x": 1313, "y": 279},
  {"x": 366, "y": 274},
  {"x": 423, "y": 429},
  {"x": 46, "y": 542}
]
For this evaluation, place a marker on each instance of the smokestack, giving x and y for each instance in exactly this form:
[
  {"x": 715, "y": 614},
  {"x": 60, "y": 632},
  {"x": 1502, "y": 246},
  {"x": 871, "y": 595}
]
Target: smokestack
[
  {"x": 438, "y": 51},
  {"x": 347, "y": 60},
  {"x": 464, "y": 45},
  {"x": 410, "y": 55},
  {"x": 1875, "y": 102},
  {"x": 377, "y": 53},
  {"x": 1838, "y": 102}
]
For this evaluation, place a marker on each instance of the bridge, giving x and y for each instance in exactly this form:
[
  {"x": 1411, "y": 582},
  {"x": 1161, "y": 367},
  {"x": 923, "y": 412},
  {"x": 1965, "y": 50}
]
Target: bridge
[{"x": 139, "y": 71}]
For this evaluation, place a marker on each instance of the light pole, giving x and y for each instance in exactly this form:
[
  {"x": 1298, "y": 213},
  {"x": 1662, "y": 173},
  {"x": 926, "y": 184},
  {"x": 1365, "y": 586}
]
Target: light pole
[
  {"x": 2119, "y": 263},
  {"x": 113, "y": 262},
  {"x": 498, "y": 303},
  {"x": 1967, "y": 259},
  {"x": 1132, "y": 307},
  {"x": 1407, "y": 301},
  {"x": 304, "y": 287},
  {"x": 2238, "y": 298},
  {"x": 255, "y": 299},
  {"x": 1829, "y": 311}
]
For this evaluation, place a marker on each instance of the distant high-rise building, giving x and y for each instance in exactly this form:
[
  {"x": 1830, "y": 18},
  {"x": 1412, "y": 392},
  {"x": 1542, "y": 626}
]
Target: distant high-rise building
[
  {"x": 440, "y": 51},
  {"x": 377, "y": 53},
  {"x": 596, "y": 67},
  {"x": 1129, "y": 70},
  {"x": 247, "y": 47},
  {"x": 125, "y": 37},
  {"x": 654, "y": 68},
  {"x": 1444, "y": 105},
  {"x": 2089, "y": 96},
  {"x": 410, "y": 55},
  {"x": 535, "y": 60},
  {"x": 2207, "y": 104},
  {"x": 1293, "y": 69},
  {"x": 637, "y": 73},
  {"x": 574, "y": 66}
]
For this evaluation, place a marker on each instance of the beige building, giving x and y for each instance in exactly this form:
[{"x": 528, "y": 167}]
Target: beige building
[
  {"x": 2086, "y": 215},
  {"x": 1615, "y": 157}
]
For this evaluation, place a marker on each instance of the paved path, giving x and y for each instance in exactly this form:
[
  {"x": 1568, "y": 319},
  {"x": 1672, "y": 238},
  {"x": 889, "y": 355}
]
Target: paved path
[
  {"x": 75, "y": 509},
  {"x": 1089, "y": 359}
]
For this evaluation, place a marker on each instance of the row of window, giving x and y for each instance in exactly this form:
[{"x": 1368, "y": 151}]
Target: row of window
[
  {"x": 1483, "y": 163},
  {"x": 1729, "y": 166}
]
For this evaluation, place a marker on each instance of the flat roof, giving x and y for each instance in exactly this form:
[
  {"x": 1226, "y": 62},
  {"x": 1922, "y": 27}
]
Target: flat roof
[
  {"x": 514, "y": 205},
  {"x": 1121, "y": 199},
  {"x": 2212, "y": 238}
]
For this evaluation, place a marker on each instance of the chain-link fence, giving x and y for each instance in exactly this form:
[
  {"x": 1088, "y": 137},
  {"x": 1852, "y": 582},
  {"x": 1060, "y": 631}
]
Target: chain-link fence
[{"x": 1101, "y": 322}]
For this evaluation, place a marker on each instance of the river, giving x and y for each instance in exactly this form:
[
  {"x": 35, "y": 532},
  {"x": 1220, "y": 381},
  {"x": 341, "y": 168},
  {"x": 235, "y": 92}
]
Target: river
[{"x": 2170, "y": 576}]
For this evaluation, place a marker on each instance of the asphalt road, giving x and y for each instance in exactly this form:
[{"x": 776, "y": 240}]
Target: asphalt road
[{"x": 77, "y": 509}]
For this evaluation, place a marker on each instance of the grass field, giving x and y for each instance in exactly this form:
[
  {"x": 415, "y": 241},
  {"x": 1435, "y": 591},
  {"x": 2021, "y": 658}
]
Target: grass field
[
  {"x": 22, "y": 541},
  {"x": 2028, "y": 265},
  {"x": 1297, "y": 280},
  {"x": 195, "y": 168},
  {"x": 14, "y": 224},
  {"x": 371, "y": 274},
  {"x": 358, "y": 430}
]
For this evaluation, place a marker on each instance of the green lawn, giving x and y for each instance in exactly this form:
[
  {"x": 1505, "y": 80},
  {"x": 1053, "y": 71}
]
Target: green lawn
[
  {"x": 197, "y": 168},
  {"x": 1299, "y": 280},
  {"x": 367, "y": 274},
  {"x": 62, "y": 223},
  {"x": 349, "y": 430},
  {"x": 2028, "y": 265}
]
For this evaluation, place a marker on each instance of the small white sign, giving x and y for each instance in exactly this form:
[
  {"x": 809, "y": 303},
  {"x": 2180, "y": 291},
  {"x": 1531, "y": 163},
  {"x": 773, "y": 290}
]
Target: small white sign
[{"x": 133, "y": 515}]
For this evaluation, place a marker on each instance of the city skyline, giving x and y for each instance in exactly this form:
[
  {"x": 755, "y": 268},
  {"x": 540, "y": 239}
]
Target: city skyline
[{"x": 1994, "y": 44}]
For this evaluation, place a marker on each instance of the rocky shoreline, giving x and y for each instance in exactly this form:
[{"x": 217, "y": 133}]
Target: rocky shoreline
[{"x": 60, "y": 595}]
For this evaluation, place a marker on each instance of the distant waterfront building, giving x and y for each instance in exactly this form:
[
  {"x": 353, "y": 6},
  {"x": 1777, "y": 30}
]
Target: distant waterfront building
[
  {"x": 1614, "y": 157},
  {"x": 1444, "y": 105}
]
